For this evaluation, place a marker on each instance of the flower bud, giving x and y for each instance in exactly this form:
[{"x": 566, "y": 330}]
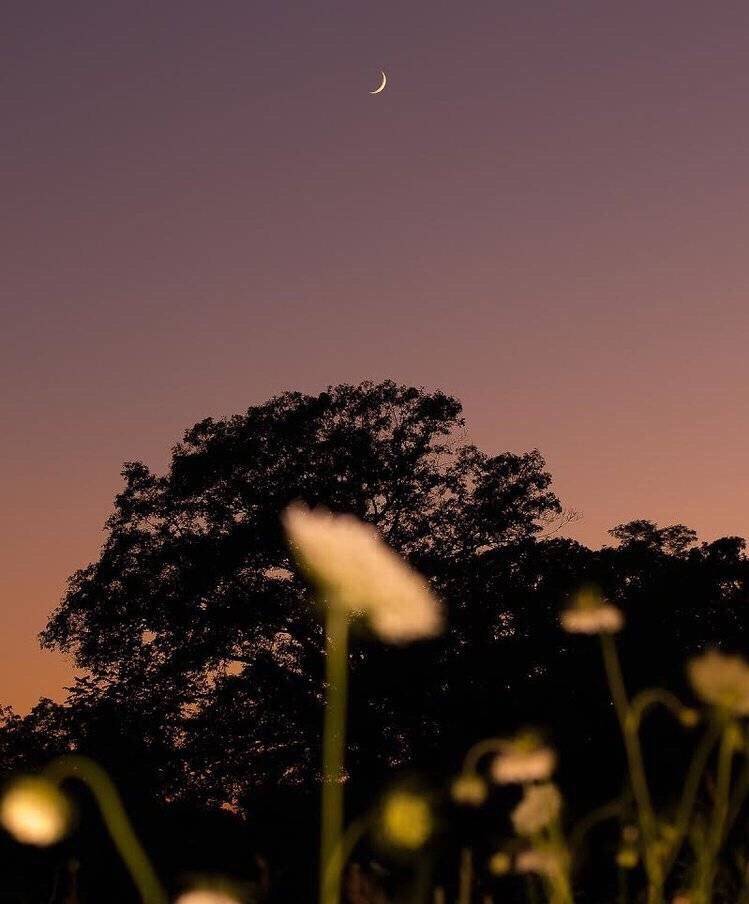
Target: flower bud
[{"x": 34, "y": 811}]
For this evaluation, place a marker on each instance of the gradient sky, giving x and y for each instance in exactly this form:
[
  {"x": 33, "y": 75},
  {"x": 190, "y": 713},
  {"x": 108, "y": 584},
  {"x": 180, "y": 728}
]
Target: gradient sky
[{"x": 545, "y": 213}]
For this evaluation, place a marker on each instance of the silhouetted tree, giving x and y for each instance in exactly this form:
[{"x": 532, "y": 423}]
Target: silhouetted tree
[{"x": 193, "y": 621}]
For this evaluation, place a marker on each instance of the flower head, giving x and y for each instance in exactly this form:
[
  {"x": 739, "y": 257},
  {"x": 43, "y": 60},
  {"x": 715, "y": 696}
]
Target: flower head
[
  {"x": 207, "y": 896},
  {"x": 627, "y": 857},
  {"x": 499, "y": 863},
  {"x": 721, "y": 680},
  {"x": 406, "y": 820},
  {"x": 35, "y": 811},
  {"x": 470, "y": 789},
  {"x": 591, "y": 614},
  {"x": 354, "y": 569},
  {"x": 543, "y": 862},
  {"x": 540, "y": 806},
  {"x": 524, "y": 758}
]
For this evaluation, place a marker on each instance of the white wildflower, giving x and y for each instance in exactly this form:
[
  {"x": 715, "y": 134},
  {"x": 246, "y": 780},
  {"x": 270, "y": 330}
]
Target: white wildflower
[
  {"x": 354, "y": 569},
  {"x": 721, "y": 680},
  {"x": 591, "y": 614},
  {"x": 523, "y": 759},
  {"x": 543, "y": 862},
  {"x": 207, "y": 896},
  {"x": 539, "y": 808}
]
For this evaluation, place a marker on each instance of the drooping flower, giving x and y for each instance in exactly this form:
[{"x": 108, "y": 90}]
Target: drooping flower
[
  {"x": 35, "y": 811},
  {"x": 539, "y": 807},
  {"x": 469, "y": 789},
  {"x": 591, "y": 614},
  {"x": 721, "y": 680},
  {"x": 524, "y": 758},
  {"x": 354, "y": 569},
  {"x": 406, "y": 820}
]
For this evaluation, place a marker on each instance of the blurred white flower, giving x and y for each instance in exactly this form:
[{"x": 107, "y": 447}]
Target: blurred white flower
[
  {"x": 539, "y": 807},
  {"x": 591, "y": 614},
  {"x": 545, "y": 863},
  {"x": 207, "y": 896},
  {"x": 354, "y": 569},
  {"x": 523, "y": 759},
  {"x": 35, "y": 811},
  {"x": 721, "y": 680}
]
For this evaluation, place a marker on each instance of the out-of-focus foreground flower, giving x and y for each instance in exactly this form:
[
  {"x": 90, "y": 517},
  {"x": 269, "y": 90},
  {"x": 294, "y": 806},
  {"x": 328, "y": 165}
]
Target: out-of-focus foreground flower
[
  {"x": 540, "y": 861},
  {"x": 353, "y": 568},
  {"x": 406, "y": 820},
  {"x": 539, "y": 808},
  {"x": 524, "y": 758},
  {"x": 35, "y": 811},
  {"x": 721, "y": 680},
  {"x": 469, "y": 789},
  {"x": 207, "y": 896},
  {"x": 591, "y": 614}
]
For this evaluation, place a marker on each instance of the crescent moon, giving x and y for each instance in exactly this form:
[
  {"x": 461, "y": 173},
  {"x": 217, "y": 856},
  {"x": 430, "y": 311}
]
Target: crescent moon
[{"x": 382, "y": 86}]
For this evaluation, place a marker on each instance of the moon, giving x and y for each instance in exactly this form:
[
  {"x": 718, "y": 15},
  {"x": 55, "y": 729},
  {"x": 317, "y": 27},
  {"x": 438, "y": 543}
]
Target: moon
[{"x": 382, "y": 86}]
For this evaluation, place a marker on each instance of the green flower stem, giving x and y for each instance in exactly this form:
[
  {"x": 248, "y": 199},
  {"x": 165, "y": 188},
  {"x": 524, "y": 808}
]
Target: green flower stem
[
  {"x": 640, "y": 789},
  {"x": 333, "y": 751},
  {"x": 720, "y": 812},
  {"x": 115, "y": 819},
  {"x": 480, "y": 750},
  {"x": 346, "y": 844},
  {"x": 654, "y": 696},
  {"x": 689, "y": 794},
  {"x": 466, "y": 876},
  {"x": 561, "y": 882},
  {"x": 611, "y": 810},
  {"x": 740, "y": 792}
]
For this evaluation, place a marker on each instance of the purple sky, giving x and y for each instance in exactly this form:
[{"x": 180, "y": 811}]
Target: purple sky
[{"x": 545, "y": 213}]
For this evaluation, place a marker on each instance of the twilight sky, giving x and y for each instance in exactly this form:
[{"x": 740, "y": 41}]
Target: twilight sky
[{"x": 545, "y": 213}]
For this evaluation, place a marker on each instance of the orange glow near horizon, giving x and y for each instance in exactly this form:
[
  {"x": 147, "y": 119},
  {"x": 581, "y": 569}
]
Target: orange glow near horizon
[{"x": 544, "y": 214}]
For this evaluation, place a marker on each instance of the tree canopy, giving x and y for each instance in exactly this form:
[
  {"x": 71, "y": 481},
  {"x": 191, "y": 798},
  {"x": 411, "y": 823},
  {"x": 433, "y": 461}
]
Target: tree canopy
[{"x": 193, "y": 613}]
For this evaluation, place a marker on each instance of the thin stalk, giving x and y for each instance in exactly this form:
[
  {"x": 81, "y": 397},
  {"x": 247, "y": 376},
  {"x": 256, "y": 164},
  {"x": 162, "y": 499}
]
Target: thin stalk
[
  {"x": 640, "y": 789},
  {"x": 115, "y": 819},
  {"x": 343, "y": 850},
  {"x": 480, "y": 750},
  {"x": 333, "y": 750},
  {"x": 720, "y": 812},
  {"x": 561, "y": 880},
  {"x": 611, "y": 810},
  {"x": 689, "y": 795},
  {"x": 466, "y": 876},
  {"x": 656, "y": 696}
]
